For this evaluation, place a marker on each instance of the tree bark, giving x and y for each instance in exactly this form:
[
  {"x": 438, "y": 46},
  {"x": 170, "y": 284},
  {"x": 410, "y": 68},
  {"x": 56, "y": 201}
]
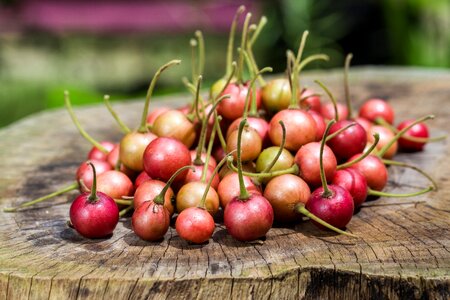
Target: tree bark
[{"x": 402, "y": 252}]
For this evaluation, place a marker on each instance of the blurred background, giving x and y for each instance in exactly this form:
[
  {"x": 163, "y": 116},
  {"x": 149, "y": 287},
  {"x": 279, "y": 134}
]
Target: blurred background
[{"x": 114, "y": 47}]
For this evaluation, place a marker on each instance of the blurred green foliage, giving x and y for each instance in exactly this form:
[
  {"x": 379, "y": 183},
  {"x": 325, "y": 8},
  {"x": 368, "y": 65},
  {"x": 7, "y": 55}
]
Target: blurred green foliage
[{"x": 36, "y": 67}]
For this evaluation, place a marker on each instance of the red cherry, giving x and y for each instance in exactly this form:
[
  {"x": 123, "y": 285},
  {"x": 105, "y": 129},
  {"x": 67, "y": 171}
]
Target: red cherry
[
  {"x": 377, "y": 108},
  {"x": 419, "y": 130}
]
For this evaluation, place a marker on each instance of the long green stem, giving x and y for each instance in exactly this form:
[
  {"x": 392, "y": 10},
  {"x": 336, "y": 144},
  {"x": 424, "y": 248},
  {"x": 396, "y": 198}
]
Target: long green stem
[
  {"x": 293, "y": 79},
  {"x": 252, "y": 40},
  {"x": 125, "y": 210},
  {"x": 155, "y": 78},
  {"x": 326, "y": 191},
  {"x": 291, "y": 170},
  {"x": 244, "y": 38},
  {"x": 384, "y": 194},
  {"x": 123, "y": 202},
  {"x": 121, "y": 124},
  {"x": 280, "y": 149},
  {"x": 301, "y": 47},
  {"x": 93, "y": 196},
  {"x": 197, "y": 96},
  {"x": 400, "y": 133},
  {"x": 78, "y": 125},
  {"x": 331, "y": 96},
  {"x": 208, "y": 153},
  {"x": 194, "y": 71},
  {"x": 160, "y": 198},
  {"x": 300, "y": 208},
  {"x": 406, "y": 165},
  {"x": 201, "y": 52},
  {"x": 66, "y": 189},
  {"x": 376, "y": 136},
  {"x": 230, "y": 48},
  {"x": 416, "y": 139},
  {"x": 348, "y": 59},
  {"x": 310, "y": 59},
  {"x": 244, "y": 195}
]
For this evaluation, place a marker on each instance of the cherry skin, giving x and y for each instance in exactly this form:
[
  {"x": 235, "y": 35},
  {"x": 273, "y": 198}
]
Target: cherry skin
[
  {"x": 164, "y": 156},
  {"x": 283, "y": 193},
  {"x": 96, "y": 154},
  {"x": 354, "y": 182},
  {"x": 149, "y": 190},
  {"x": 251, "y": 143},
  {"x": 115, "y": 184},
  {"x": 132, "y": 148},
  {"x": 155, "y": 114},
  {"x": 284, "y": 161},
  {"x": 336, "y": 209},
  {"x": 150, "y": 221},
  {"x": 320, "y": 124},
  {"x": 386, "y": 135},
  {"x": 250, "y": 219},
  {"x": 308, "y": 161},
  {"x": 349, "y": 142},
  {"x": 419, "y": 130},
  {"x": 229, "y": 188},
  {"x": 195, "y": 225},
  {"x": 84, "y": 174},
  {"x": 366, "y": 124},
  {"x": 141, "y": 178},
  {"x": 191, "y": 194},
  {"x": 113, "y": 159},
  {"x": 327, "y": 111},
  {"x": 196, "y": 174},
  {"x": 174, "y": 124},
  {"x": 276, "y": 95},
  {"x": 377, "y": 108},
  {"x": 312, "y": 103},
  {"x": 300, "y": 128},
  {"x": 373, "y": 169},
  {"x": 211, "y": 162},
  {"x": 259, "y": 124},
  {"x": 233, "y": 107}
]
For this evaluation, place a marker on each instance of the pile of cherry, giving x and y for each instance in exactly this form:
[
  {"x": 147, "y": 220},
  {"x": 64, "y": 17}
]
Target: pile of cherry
[{"x": 260, "y": 151}]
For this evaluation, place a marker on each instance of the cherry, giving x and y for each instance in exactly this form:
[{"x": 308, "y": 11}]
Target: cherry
[
  {"x": 141, "y": 178},
  {"x": 115, "y": 184},
  {"x": 418, "y": 131},
  {"x": 155, "y": 114},
  {"x": 259, "y": 124},
  {"x": 386, "y": 135},
  {"x": 84, "y": 174},
  {"x": 320, "y": 124},
  {"x": 311, "y": 101},
  {"x": 308, "y": 161},
  {"x": 354, "y": 182},
  {"x": 366, "y": 124},
  {"x": 373, "y": 170},
  {"x": 284, "y": 161},
  {"x": 175, "y": 124},
  {"x": 94, "y": 214},
  {"x": 330, "y": 203},
  {"x": 191, "y": 193},
  {"x": 276, "y": 95},
  {"x": 349, "y": 142},
  {"x": 332, "y": 110},
  {"x": 377, "y": 108},
  {"x": 248, "y": 216},
  {"x": 97, "y": 154},
  {"x": 212, "y": 161},
  {"x": 163, "y": 156},
  {"x": 233, "y": 107},
  {"x": 252, "y": 143},
  {"x": 229, "y": 188},
  {"x": 283, "y": 193}
]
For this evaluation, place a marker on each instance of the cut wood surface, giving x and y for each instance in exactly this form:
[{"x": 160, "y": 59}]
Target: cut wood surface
[{"x": 402, "y": 252}]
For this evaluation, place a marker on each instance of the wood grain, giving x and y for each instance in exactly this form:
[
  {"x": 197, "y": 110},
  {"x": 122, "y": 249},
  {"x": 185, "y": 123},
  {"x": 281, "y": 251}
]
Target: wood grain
[{"x": 403, "y": 252}]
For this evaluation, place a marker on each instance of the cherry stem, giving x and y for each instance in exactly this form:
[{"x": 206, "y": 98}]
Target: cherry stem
[
  {"x": 123, "y": 202},
  {"x": 244, "y": 195},
  {"x": 400, "y": 133},
  {"x": 326, "y": 191},
  {"x": 301, "y": 47},
  {"x": 408, "y": 137},
  {"x": 66, "y": 189},
  {"x": 291, "y": 170},
  {"x": 201, "y": 51},
  {"x": 93, "y": 196},
  {"x": 376, "y": 136},
  {"x": 125, "y": 210},
  {"x": 339, "y": 131},
  {"x": 384, "y": 194},
  {"x": 160, "y": 198},
  {"x": 230, "y": 47},
  {"x": 293, "y": 79},
  {"x": 310, "y": 59},
  {"x": 304, "y": 98},
  {"x": 208, "y": 153},
  {"x": 406, "y": 165},
  {"x": 330, "y": 95},
  {"x": 143, "y": 127},
  {"x": 121, "y": 124},
  {"x": 188, "y": 85},
  {"x": 216, "y": 170},
  {"x": 201, "y": 144},
  {"x": 197, "y": 96},
  {"x": 280, "y": 149},
  {"x": 193, "y": 43},
  {"x": 348, "y": 59},
  {"x": 300, "y": 208},
  {"x": 261, "y": 24},
  {"x": 244, "y": 38},
  {"x": 78, "y": 125}
]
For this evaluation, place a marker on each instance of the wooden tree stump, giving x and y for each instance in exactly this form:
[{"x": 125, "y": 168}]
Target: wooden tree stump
[{"x": 402, "y": 252}]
